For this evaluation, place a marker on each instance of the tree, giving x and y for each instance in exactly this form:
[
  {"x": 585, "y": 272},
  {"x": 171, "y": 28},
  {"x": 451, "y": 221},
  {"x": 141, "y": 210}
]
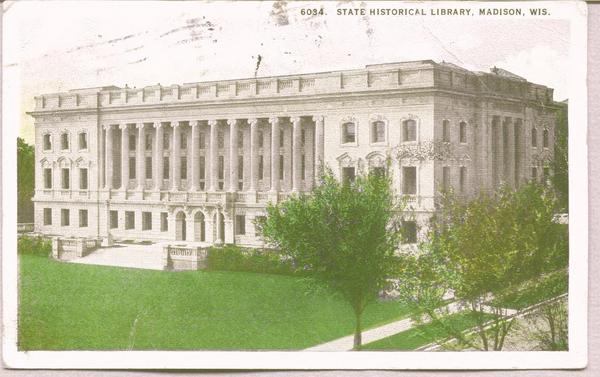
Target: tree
[
  {"x": 343, "y": 234},
  {"x": 25, "y": 181},
  {"x": 560, "y": 176},
  {"x": 486, "y": 247}
]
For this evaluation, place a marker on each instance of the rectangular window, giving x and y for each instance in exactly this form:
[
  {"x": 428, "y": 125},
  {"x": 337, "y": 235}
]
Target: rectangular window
[
  {"x": 202, "y": 140},
  {"x": 164, "y": 222},
  {"x": 132, "y": 168},
  {"x": 183, "y": 140},
  {"x": 261, "y": 167},
  {"x": 114, "y": 220},
  {"x": 83, "y": 179},
  {"x": 409, "y": 130},
  {"x": 261, "y": 140},
  {"x": 166, "y": 141},
  {"x": 201, "y": 166},
  {"x": 409, "y": 232},
  {"x": 146, "y": 220},
  {"x": 148, "y": 142},
  {"x": 129, "y": 219},
  {"x": 148, "y": 167},
  {"x": 463, "y": 178},
  {"x": 280, "y": 166},
  {"x": 66, "y": 184},
  {"x": 221, "y": 167},
  {"x": 348, "y": 175},
  {"x": 83, "y": 140},
  {"x": 83, "y": 218},
  {"x": 463, "y": 132},
  {"x": 240, "y": 224},
  {"x": 64, "y": 141},
  {"x": 281, "y": 138},
  {"x": 47, "y": 178},
  {"x": 65, "y": 217},
  {"x": 378, "y": 132},
  {"x": 166, "y": 168},
  {"x": 446, "y": 131},
  {"x": 132, "y": 142},
  {"x": 302, "y": 137},
  {"x": 349, "y": 132},
  {"x": 445, "y": 177},
  {"x": 183, "y": 168},
  {"x": 409, "y": 180},
  {"x": 303, "y": 167},
  {"x": 545, "y": 138},
  {"x": 47, "y": 216},
  {"x": 47, "y": 142},
  {"x": 533, "y": 137},
  {"x": 240, "y": 139}
]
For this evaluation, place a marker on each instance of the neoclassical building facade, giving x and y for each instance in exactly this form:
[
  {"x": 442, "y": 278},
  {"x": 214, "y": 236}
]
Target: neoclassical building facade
[{"x": 199, "y": 162}]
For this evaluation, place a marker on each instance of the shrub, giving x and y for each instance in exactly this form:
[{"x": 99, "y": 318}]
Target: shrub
[
  {"x": 234, "y": 258},
  {"x": 37, "y": 245}
]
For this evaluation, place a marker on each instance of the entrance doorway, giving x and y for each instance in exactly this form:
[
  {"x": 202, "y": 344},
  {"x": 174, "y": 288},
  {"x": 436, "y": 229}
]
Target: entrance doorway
[
  {"x": 180, "y": 226},
  {"x": 199, "y": 227}
]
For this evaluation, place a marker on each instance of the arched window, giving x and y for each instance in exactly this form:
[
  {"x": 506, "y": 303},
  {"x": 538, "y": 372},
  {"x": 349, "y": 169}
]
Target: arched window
[
  {"x": 463, "y": 132},
  {"x": 545, "y": 138},
  {"x": 534, "y": 137},
  {"x": 378, "y": 132},
  {"x": 47, "y": 142},
  {"x": 409, "y": 130},
  {"x": 349, "y": 132},
  {"x": 64, "y": 141},
  {"x": 446, "y": 131}
]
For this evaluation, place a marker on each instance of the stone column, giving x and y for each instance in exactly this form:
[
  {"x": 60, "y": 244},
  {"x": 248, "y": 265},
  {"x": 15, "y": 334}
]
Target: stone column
[
  {"x": 195, "y": 156},
  {"x": 214, "y": 164},
  {"x": 158, "y": 156},
  {"x": 233, "y": 154},
  {"x": 124, "y": 156},
  {"x": 296, "y": 153},
  {"x": 175, "y": 150},
  {"x": 319, "y": 145},
  {"x": 275, "y": 130},
  {"x": 501, "y": 157},
  {"x": 102, "y": 158},
  {"x": 510, "y": 155},
  {"x": 108, "y": 155},
  {"x": 141, "y": 157},
  {"x": 253, "y": 154}
]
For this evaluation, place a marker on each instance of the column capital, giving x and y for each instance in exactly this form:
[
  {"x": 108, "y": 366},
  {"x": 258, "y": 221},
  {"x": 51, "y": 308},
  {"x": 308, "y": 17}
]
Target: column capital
[
  {"x": 158, "y": 125},
  {"x": 123, "y": 126},
  {"x": 107, "y": 127},
  {"x": 295, "y": 120},
  {"x": 232, "y": 122},
  {"x": 195, "y": 123},
  {"x": 175, "y": 124},
  {"x": 274, "y": 120},
  {"x": 253, "y": 122},
  {"x": 213, "y": 122},
  {"x": 140, "y": 126},
  {"x": 318, "y": 118}
]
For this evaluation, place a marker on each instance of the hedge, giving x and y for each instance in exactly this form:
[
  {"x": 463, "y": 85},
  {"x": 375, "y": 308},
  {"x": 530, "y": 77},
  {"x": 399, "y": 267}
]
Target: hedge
[
  {"x": 36, "y": 245},
  {"x": 233, "y": 258}
]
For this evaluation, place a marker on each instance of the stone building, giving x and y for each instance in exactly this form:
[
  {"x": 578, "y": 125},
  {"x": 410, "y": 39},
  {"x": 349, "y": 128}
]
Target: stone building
[{"x": 200, "y": 161}]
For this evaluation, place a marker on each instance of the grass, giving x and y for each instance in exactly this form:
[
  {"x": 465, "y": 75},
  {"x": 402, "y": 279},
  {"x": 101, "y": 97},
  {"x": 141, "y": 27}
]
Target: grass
[
  {"x": 81, "y": 307},
  {"x": 424, "y": 334},
  {"x": 537, "y": 291}
]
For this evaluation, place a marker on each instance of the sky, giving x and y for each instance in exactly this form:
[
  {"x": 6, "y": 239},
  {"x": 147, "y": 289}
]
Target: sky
[{"x": 57, "y": 46}]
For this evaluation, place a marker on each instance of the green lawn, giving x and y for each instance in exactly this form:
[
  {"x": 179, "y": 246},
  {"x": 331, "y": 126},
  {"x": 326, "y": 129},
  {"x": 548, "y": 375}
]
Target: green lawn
[
  {"x": 71, "y": 306},
  {"x": 424, "y": 334},
  {"x": 534, "y": 292}
]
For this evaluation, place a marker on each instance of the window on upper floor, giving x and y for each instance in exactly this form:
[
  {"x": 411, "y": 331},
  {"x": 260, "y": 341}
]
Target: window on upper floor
[
  {"x": 303, "y": 137},
  {"x": 446, "y": 131},
  {"x": 409, "y": 180},
  {"x": 146, "y": 220},
  {"x": 47, "y": 178},
  {"x": 534, "y": 137},
  {"x": 281, "y": 138},
  {"x": 166, "y": 141},
  {"x": 65, "y": 217},
  {"x": 129, "y": 219},
  {"x": 220, "y": 140},
  {"x": 183, "y": 140},
  {"x": 65, "y": 183},
  {"x": 445, "y": 178},
  {"x": 83, "y": 141},
  {"x": 132, "y": 142},
  {"x": 132, "y": 168},
  {"x": 545, "y": 138},
  {"x": 183, "y": 168},
  {"x": 240, "y": 139},
  {"x": 83, "y": 179},
  {"x": 47, "y": 142},
  {"x": 377, "y": 132},
  {"x": 349, "y": 132},
  {"x": 83, "y": 218},
  {"x": 409, "y": 130},
  {"x": 462, "y": 132},
  {"x": 166, "y": 167},
  {"x": 202, "y": 140},
  {"x": 148, "y": 142},
  {"x": 463, "y": 179},
  {"x": 149, "y": 168},
  {"x": 64, "y": 141}
]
